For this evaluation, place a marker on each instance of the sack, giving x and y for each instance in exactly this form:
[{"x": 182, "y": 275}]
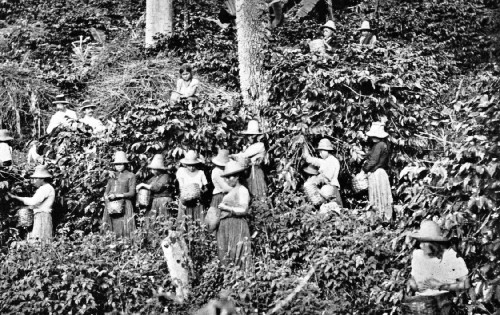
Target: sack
[
  {"x": 312, "y": 193},
  {"x": 360, "y": 182},
  {"x": 212, "y": 218},
  {"x": 317, "y": 45},
  {"x": 143, "y": 197},
  {"x": 116, "y": 206},
  {"x": 25, "y": 217},
  {"x": 190, "y": 193}
]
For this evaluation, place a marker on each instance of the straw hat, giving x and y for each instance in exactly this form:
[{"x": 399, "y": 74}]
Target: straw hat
[
  {"x": 325, "y": 144},
  {"x": 252, "y": 128},
  {"x": 60, "y": 99},
  {"x": 222, "y": 158},
  {"x": 377, "y": 130},
  {"x": 191, "y": 158},
  {"x": 429, "y": 232},
  {"x": 365, "y": 26},
  {"x": 329, "y": 24},
  {"x": 157, "y": 162},
  {"x": 233, "y": 167},
  {"x": 41, "y": 172},
  {"x": 4, "y": 135},
  {"x": 120, "y": 158},
  {"x": 311, "y": 170},
  {"x": 87, "y": 104}
]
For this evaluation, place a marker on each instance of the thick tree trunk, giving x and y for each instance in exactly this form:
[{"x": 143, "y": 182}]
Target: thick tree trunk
[
  {"x": 159, "y": 19},
  {"x": 178, "y": 262},
  {"x": 252, "y": 23}
]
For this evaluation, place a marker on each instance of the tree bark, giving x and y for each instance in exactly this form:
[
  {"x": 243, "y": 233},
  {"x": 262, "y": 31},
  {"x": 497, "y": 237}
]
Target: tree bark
[
  {"x": 330, "y": 9},
  {"x": 252, "y": 23},
  {"x": 159, "y": 19}
]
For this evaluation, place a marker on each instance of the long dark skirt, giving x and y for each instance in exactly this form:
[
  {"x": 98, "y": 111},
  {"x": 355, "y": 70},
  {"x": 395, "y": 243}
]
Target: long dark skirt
[
  {"x": 121, "y": 224},
  {"x": 194, "y": 211},
  {"x": 159, "y": 208},
  {"x": 234, "y": 243},
  {"x": 256, "y": 183}
]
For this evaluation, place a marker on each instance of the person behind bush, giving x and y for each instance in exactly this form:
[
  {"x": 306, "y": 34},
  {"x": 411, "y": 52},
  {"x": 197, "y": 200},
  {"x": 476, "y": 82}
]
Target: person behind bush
[
  {"x": 42, "y": 202},
  {"x": 436, "y": 270},
  {"x": 379, "y": 188},
  {"x": 187, "y": 86},
  {"x": 327, "y": 42},
  {"x": 367, "y": 36},
  {"x": 118, "y": 215},
  {"x": 328, "y": 166},
  {"x": 192, "y": 182},
  {"x": 96, "y": 124},
  {"x": 255, "y": 152},
  {"x": 63, "y": 117},
  {"x": 161, "y": 188},
  {"x": 5, "y": 148},
  {"x": 233, "y": 235},
  {"x": 221, "y": 187}
]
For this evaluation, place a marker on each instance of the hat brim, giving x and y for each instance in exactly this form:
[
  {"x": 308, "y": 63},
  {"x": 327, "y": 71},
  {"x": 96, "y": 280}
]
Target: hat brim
[
  {"x": 190, "y": 162},
  {"x": 88, "y": 106},
  {"x": 122, "y": 162},
  {"x": 156, "y": 167},
  {"x": 60, "y": 102},
  {"x": 234, "y": 172},
  {"x": 365, "y": 29},
  {"x": 251, "y": 133},
  {"x": 219, "y": 162},
  {"x": 323, "y": 148},
  {"x": 377, "y": 135},
  {"x": 41, "y": 176},
  {"x": 331, "y": 28},
  {"x": 310, "y": 172},
  {"x": 6, "y": 138},
  {"x": 425, "y": 238}
]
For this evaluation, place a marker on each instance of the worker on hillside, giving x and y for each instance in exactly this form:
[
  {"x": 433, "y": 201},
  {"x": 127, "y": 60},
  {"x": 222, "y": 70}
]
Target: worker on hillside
[
  {"x": 187, "y": 86},
  {"x": 5, "y": 148},
  {"x": 367, "y": 37},
  {"x": 63, "y": 116},
  {"x": 88, "y": 108}
]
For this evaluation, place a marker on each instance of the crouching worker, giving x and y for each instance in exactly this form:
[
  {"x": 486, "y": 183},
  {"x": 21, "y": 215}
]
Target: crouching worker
[{"x": 187, "y": 86}]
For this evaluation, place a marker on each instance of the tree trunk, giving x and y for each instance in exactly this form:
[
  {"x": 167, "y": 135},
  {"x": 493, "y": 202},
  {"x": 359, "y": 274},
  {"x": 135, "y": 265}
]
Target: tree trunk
[
  {"x": 159, "y": 19},
  {"x": 330, "y": 9},
  {"x": 252, "y": 23},
  {"x": 178, "y": 261}
]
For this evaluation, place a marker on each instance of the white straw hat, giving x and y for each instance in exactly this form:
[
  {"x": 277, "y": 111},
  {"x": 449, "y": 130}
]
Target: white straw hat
[
  {"x": 252, "y": 128},
  {"x": 233, "y": 167},
  {"x": 329, "y": 24},
  {"x": 120, "y": 158},
  {"x": 429, "y": 232},
  {"x": 5, "y": 135},
  {"x": 325, "y": 144},
  {"x": 377, "y": 130},
  {"x": 41, "y": 172},
  {"x": 365, "y": 26},
  {"x": 157, "y": 162},
  {"x": 222, "y": 158},
  {"x": 191, "y": 158}
]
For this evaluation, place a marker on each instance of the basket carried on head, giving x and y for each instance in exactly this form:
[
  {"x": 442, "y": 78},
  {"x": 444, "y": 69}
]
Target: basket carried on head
[
  {"x": 360, "y": 182},
  {"x": 25, "y": 217},
  {"x": 190, "y": 193},
  {"x": 312, "y": 193},
  {"x": 143, "y": 197},
  {"x": 116, "y": 206}
]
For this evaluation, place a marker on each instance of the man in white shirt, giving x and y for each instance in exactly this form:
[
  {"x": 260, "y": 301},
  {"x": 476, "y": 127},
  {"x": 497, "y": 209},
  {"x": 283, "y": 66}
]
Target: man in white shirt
[
  {"x": 63, "y": 116},
  {"x": 89, "y": 119}
]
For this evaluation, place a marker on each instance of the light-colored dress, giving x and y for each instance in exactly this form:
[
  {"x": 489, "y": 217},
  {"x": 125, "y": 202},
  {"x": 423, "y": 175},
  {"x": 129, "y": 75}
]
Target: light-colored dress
[
  {"x": 256, "y": 181},
  {"x": 5, "y": 153},
  {"x": 42, "y": 203},
  {"x": 185, "y": 177},
  {"x": 446, "y": 270},
  {"x": 61, "y": 119},
  {"x": 328, "y": 169},
  {"x": 220, "y": 186},
  {"x": 96, "y": 124},
  {"x": 187, "y": 88},
  {"x": 121, "y": 224},
  {"x": 233, "y": 234}
]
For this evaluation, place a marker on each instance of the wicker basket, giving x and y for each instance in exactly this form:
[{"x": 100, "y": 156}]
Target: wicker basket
[
  {"x": 190, "y": 193},
  {"x": 116, "y": 206},
  {"x": 420, "y": 305},
  {"x": 360, "y": 182},
  {"x": 25, "y": 217},
  {"x": 212, "y": 218},
  {"x": 143, "y": 197},
  {"x": 317, "y": 45},
  {"x": 327, "y": 192},
  {"x": 312, "y": 192}
]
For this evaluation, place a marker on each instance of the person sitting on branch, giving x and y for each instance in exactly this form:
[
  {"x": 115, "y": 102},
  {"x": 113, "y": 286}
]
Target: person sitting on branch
[
  {"x": 88, "y": 108},
  {"x": 63, "y": 117},
  {"x": 187, "y": 86}
]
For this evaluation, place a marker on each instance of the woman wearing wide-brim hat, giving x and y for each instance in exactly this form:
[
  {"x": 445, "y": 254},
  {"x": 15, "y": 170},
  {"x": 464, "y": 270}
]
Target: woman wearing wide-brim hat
[
  {"x": 42, "y": 202},
  {"x": 192, "y": 183},
  {"x": 255, "y": 154},
  {"x": 379, "y": 187},
  {"x": 233, "y": 234},
  {"x": 119, "y": 214},
  {"x": 221, "y": 187},
  {"x": 367, "y": 37},
  {"x": 5, "y": 148},
  {"x": 328, "y": 166},
  {"x": 161, "y": 188},
  {"x": 436, "y": 270}
]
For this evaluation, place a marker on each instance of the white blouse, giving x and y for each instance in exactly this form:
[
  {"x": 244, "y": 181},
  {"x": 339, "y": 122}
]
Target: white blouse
[
  {"x": 185, "y": 177},
  {"x": 42, "y": 200}
]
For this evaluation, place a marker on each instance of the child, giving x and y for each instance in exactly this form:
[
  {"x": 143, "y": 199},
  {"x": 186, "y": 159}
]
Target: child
[{"x": 187, "y": 86}]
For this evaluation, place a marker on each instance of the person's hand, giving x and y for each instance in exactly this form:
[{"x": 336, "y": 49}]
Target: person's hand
[
  {"x": 111, "y": 196},
  {"x": 12, "y": 196},
  {"x": 139, "y": 186}
]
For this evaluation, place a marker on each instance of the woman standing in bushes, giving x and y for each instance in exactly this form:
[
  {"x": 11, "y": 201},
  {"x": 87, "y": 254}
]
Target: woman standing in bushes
[
  {"x": 187, "y": 86},
  {"x": 42, "y": 203},
  {"x": 328, "y": 166},
  {"x": 255, "y": 152},
  {"x": 5, "y": 148},
  {"x": 233, "y": 235},
  {"x": 221, "y": 187},
  {"x": 435, "y": 272},
  {"x": 119, "y": 212},
  {"x": 192, "y": 182},
  {"x": 161, "y": 189},
  {"x": 379, "y": 188}
]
